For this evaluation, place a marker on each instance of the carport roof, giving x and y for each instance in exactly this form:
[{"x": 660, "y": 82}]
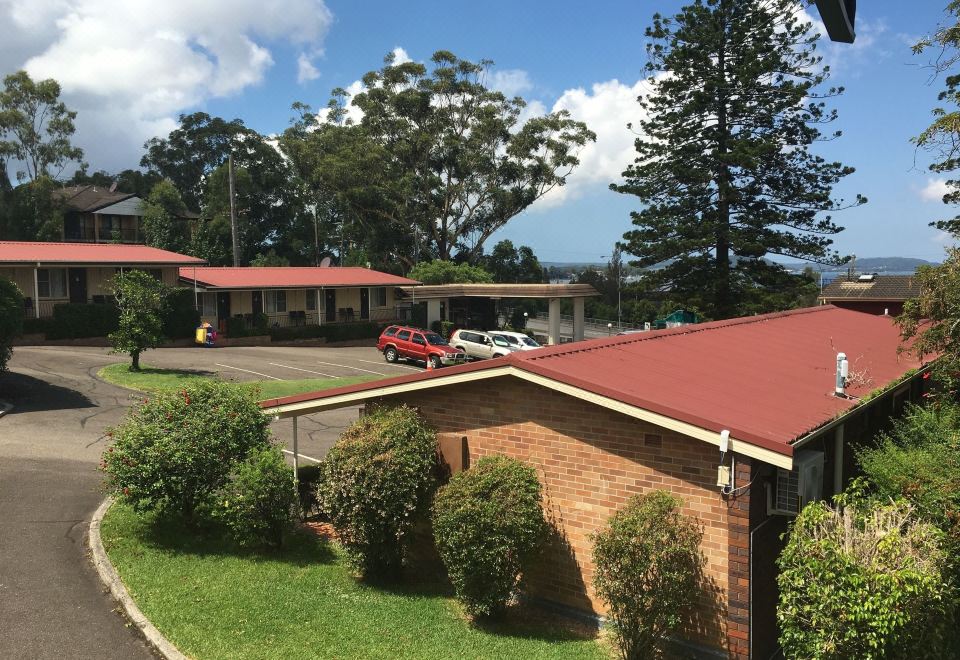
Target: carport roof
[
  {"x": 434, "y": 291},
  {"x": 767, "y": 379},
  {"x": 32, "y": 253},
  {"x": 288, "y": 277}
]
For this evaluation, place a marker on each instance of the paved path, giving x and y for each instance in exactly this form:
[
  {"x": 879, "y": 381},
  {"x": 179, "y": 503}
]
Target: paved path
[{"x": 51, "y": 602}]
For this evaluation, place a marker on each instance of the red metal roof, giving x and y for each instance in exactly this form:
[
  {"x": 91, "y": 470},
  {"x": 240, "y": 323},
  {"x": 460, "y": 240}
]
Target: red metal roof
[
  {"x": 25, "y": 252},
  {"x": 287, "y": 277},
  {"x": 768, "y": 379}
]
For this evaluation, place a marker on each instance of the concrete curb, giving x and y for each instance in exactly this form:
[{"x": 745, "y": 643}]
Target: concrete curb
[
  {"x": 111, "y": 579},
  {"x": 5, "y": 407}
]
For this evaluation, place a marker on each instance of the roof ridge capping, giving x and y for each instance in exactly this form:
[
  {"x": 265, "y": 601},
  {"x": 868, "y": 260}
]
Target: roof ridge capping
[{"x": 611, "y": 342}]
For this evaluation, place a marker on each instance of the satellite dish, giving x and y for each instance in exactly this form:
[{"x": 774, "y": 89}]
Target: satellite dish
[
  {"x": 325, "y": 262},
  {"x": 113, "y": 186}
]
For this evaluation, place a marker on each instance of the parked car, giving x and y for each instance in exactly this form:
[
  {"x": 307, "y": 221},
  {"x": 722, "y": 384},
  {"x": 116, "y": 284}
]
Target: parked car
[
  {"x": 404, "y": 342},
  {"x": 517, "y": 340},
  {"x": 481, "y": 345}
]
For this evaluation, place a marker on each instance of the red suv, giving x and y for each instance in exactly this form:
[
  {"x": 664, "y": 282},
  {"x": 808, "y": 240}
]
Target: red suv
[{"x": 400, "y": 341}]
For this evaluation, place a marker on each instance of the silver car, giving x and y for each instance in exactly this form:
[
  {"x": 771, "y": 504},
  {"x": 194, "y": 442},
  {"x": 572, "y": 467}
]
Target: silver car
[
  {"x": 481, "y": 345},
  {"x": 517, "y": 340}
]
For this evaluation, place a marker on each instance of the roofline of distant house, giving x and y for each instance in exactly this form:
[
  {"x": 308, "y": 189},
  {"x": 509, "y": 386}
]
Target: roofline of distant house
[
  {"x": 102, "y": 263},
  {"x": 830, "y": 299}
]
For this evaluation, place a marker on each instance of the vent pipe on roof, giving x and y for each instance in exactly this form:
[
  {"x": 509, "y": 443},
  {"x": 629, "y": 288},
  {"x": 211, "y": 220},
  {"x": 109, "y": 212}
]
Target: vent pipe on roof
[
  {"x": 886, "y": 311},
  {"x": 843, "y": 370}
]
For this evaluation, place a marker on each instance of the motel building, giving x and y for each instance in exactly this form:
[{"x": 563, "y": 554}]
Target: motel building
[{"x": 743, "y": 419}]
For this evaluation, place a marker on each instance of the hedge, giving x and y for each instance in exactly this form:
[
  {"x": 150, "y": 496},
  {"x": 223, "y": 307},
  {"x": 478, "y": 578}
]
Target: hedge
[
  {"x": 239, "y": 327},
  {"x": 77, "y": 320},
  {"x": 181, "y": 317},
  {"x": 332, "y": 332}
]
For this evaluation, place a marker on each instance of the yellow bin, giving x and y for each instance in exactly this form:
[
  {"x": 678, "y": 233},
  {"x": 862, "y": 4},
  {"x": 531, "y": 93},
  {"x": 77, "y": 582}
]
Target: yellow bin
[{"x": 201, "y": 337}]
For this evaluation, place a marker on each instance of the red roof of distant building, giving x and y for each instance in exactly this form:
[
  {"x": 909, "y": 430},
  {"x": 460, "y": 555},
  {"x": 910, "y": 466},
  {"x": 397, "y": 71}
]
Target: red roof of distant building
[
  {"x": 288, "y": 277},
  {"x": 768, "y": 379},
  {"x": 25, "y": 252}
]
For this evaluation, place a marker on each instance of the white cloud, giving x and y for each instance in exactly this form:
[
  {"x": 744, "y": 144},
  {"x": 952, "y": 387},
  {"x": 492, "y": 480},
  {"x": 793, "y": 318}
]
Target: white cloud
[
  {"x": 510, "y": 82},
  {"x": 129, "y": 67},
  {"x": 934, "y": 190},
  {"x": 400, "y": 56},
  {"x": 606, "y": 109},
  {"x": 306, "y": 71}
]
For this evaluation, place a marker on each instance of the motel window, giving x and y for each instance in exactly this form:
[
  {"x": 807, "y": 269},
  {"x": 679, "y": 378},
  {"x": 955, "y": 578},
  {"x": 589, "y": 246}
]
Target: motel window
[
  {"x": 275, "y": 302},
  {"x": 378, "y": 296},
  {"x": 311, "y": 300},
  {"x": 52, "y": 282},
  {"x": 208, "y": 304}
]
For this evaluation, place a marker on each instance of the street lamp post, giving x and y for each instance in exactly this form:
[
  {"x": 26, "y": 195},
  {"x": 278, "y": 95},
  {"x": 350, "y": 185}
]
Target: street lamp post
[{"x": 619, "y": 277}]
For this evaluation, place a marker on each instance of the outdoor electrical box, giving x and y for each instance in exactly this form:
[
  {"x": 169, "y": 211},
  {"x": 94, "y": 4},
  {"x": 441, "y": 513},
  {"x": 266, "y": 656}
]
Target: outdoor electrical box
[
  {"x": 723, "y": 475},
  {"x": 794, "y": 489}
]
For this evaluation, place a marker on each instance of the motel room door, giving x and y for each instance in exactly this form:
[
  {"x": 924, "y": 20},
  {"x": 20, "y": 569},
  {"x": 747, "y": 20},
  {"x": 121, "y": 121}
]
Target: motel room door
[
  {"x": 364, "y": 304},
  {"x": 223, "y": 309},
  {"x": 78, "y": 284},
  {"x": 329, "y": 305},
  {"x": 256, "y": 302}
]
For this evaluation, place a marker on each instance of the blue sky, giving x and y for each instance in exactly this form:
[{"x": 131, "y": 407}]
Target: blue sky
[{"x": 129, "y": 68}]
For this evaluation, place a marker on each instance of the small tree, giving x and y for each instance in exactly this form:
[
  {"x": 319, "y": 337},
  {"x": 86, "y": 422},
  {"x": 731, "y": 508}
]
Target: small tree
[
  {"x": 11, "y": 318},
  {"x": 175, "y": 450},
  {"x": 488, "y": 523},
  {"x": 862, "y": 581},
  {"x": 447, "y": 272},
  {"x": 648, "y": 564},
  {"x": 374, "y": 481},
  {"x": 141, "y": 300},
  {"x": 258, "y": 503},
  {"x": 163, "y": 213}
]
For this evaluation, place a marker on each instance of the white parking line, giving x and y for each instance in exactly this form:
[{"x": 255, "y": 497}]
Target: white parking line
[
  {"x": 390, "y": 364},
  {"x": 309, "y": 458},
  {"x": 346, "y": 366},
  {"x": 257, "y": 373},
  {"x": 320, "y": 373}
]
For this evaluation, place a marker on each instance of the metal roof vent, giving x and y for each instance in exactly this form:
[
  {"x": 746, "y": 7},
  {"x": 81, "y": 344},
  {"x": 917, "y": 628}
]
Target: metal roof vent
[
  {"x": 867, "y": 277},
  {"x": 843, "y": 370}
]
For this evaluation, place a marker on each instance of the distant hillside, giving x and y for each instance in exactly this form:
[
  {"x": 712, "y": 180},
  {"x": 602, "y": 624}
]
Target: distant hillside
[{"x": 871, "y": 265}]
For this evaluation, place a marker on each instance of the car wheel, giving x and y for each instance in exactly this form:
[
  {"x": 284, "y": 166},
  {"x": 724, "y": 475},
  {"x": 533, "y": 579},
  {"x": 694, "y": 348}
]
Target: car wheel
[
  {"x": 496, "y": 355},
  {"x": 390, "y": 355},
  {"x": 435, "y": 361}
]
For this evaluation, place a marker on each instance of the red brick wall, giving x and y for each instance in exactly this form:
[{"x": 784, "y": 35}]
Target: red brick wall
[{"x": 590, "y": 461}]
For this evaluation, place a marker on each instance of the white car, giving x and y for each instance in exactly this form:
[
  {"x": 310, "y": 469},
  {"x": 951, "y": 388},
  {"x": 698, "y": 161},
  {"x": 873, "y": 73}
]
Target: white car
[
  {"x": 517, "y": 340},
  {"x": 481, "y": 345}
]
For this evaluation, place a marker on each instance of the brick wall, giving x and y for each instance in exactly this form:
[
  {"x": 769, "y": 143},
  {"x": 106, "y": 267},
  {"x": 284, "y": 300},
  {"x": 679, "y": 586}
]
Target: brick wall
[{"x": 590, "y": 461}]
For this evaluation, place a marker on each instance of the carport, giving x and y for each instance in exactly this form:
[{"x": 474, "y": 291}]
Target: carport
[{"x": 437, "y": 298}]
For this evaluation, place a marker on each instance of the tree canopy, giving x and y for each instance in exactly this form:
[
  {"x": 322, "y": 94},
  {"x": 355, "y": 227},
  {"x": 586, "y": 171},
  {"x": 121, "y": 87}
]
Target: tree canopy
[
  {"x": 438, "y": 162},
  {"x": 724, "y": 168}
]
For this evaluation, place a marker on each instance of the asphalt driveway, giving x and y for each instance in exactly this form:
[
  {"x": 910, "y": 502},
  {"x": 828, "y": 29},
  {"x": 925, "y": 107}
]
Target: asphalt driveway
[{"x": 51, "y": 602}]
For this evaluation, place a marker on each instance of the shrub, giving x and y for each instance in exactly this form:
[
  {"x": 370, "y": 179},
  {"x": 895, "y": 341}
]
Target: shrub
[
  {"x": 11, "y": 318},
  {"x": 330, "y": 332},
  {"x": 648, "y": 566},
  {"x": 241, "y": 327},
  {"x": 180, "y": 317},
  {"x": 375, "y": 481},
  {"x": 173, "y": 451},
  {"x": 78, "y": 320},
  {"x": 862, "y": 581},
  {"x": 258, "y": 503},
  {"x": 34, "y": 326},
  {"x": 488, "y": 523},
  {"x": 308, "y": 479}
]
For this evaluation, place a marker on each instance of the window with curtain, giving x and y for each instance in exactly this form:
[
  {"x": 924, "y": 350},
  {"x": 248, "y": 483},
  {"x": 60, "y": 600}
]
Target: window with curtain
[
  {"x": 378, "y": 296},
  {"x": 52, "y": 282},
  {"x": 311, "y": 300},
  {"x": 275, "y": 302},
  {"x": 208, "y": 304}
]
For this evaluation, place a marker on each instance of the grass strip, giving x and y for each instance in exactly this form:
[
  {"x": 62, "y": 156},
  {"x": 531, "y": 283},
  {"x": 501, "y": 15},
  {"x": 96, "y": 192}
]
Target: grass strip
[{"x": 214, "y": 601}]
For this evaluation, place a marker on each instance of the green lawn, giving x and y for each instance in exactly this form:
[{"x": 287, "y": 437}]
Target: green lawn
[
  {"x": 212, "y": 601},
  {"x": 152, "y": 379}
]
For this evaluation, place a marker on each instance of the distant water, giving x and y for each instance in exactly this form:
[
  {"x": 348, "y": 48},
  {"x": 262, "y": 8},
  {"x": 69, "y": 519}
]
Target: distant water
[{"x": 829, "y": 276}]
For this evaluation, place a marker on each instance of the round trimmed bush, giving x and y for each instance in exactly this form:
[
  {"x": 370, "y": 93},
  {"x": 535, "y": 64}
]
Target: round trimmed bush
[
  {"x": 258, "y": 504},
  {"x": 488, "y": 523},
  {"x": 176, "y": 449},
  {"x": 648, "y": 564},
  {"x": 868, "y": 580},
  {"x": 374, "y": 482}
]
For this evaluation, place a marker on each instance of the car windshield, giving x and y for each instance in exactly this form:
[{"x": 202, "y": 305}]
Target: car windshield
[
  {"x": 436, "y": 340},
  {"x": 500, "y": 341},
  {"x": 530, "y": 342},
  {"x": 512, "y": 340}
]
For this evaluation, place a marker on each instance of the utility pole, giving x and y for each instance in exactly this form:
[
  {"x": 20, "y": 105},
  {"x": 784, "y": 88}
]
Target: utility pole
[
  {"x": 233, "y": 213},
  {"x": 316, "y": 238}
]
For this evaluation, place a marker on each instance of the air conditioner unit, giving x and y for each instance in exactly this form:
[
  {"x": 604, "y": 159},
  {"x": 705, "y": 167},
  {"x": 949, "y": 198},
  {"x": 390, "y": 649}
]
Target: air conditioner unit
[{"x": 794, "y": 489}]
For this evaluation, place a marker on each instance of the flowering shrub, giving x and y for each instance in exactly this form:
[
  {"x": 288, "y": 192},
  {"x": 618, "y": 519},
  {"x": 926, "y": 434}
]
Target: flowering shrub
[
  {"x": 375, "y": 481},
  {"x": 488, "y": 523},
  {"x": 258, "y": 503},
  {"x": 172, "y": 452}
]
